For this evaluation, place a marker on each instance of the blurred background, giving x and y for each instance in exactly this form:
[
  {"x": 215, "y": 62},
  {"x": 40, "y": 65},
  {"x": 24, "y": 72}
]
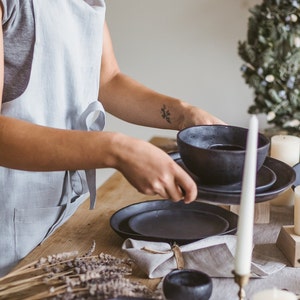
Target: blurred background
[{"x": 186, "y": 49}]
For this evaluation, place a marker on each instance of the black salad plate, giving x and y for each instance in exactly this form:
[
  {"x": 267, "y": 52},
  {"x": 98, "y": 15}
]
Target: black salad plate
[
  {"x": 123, "y": 222},
  {"x": 190, "y": 224},
  {"x": 128, "y": 298},
  {"x": 264, "y": 180},
  {"x": 285, "y": 177}
]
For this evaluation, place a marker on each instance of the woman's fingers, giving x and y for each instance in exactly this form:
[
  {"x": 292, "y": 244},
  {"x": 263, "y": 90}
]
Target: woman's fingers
[
  {"x": 188, "y": 188},
  {"x": 152, "y": 171},
  {"x": 180, "y": 187}
]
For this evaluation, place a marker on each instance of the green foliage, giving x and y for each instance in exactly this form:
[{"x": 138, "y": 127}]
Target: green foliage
[{"x": 271, "y": 55}]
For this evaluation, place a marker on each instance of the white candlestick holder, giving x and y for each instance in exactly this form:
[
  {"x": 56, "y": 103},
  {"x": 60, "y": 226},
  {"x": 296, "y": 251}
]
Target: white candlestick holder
[{"x": 241, "y": 281}]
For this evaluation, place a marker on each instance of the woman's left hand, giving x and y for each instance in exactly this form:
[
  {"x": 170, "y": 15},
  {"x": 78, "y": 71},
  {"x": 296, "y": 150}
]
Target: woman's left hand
[{"x": 193, "y": 115}]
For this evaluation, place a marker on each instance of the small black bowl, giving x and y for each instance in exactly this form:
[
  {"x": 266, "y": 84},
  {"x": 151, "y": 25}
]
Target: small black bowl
[
  {"x": 187, "y": 284},
  {"x": 216, "y": 153}
]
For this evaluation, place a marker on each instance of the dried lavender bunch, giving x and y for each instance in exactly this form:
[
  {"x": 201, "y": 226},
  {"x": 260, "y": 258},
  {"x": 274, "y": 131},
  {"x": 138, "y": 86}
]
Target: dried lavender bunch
[
  {"x": 100, "y": 277},
  {"x": 271, "y": 54},
  {"x": 69, "y": 276}
]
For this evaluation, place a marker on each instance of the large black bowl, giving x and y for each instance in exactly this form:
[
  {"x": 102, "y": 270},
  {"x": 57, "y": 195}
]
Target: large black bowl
[{"x": 216, "y": 153}]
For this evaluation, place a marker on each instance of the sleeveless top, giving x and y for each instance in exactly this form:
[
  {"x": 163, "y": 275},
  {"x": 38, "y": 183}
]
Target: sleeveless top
[
  {"x": 61, "y": 91},
  {"x": 19, "y": 35}
]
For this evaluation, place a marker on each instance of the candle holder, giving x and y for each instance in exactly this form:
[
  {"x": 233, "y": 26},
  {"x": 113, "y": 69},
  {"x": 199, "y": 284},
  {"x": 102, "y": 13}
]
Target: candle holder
[
  {"x": 241, "y": 281},
  {"x": 289, "y": 243}
]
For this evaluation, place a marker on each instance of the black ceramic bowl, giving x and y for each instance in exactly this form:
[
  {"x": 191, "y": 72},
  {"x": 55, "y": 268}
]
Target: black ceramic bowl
[
  {"x": 187, "y": 284},
  {"x": 216, "y": 153}
]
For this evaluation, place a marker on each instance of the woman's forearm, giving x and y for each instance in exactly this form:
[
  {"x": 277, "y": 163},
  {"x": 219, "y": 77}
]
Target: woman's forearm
[
  {"x": 133, "y": 102},
  {"x": 30, "y": 147},
  {"x": 37, "y": 148}
]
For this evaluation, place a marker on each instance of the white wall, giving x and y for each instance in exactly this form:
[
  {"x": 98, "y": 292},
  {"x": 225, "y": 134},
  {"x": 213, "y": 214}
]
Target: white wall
[{"x": 186, "y": 49}]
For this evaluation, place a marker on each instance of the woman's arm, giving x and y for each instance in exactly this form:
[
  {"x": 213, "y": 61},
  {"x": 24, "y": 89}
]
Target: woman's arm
[
  {"x": 31, "y": 147},
  {"x": 36, "y": 148},
  {"x": 131, "y": 101}
]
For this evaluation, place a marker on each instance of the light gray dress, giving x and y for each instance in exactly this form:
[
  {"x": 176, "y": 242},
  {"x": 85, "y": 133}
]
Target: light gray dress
[{"x": 62, "y": 92}]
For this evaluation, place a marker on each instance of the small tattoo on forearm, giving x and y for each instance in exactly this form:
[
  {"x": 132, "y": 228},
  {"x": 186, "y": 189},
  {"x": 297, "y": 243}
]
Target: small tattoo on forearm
[{"x": 165, "y": 113}]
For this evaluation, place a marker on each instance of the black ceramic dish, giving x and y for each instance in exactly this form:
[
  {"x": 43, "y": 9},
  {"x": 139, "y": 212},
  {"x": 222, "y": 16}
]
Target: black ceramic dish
[
  {"x": 190, "y": 224},
  {"x": 285, "y": 177},
  {"x": 187, "y": 284},
  {"x": 216, "y": 153},
  {"x": 264, "y": 180},
  {"x": 120, "y": 220},
  {"x": 129, "y": 298}
]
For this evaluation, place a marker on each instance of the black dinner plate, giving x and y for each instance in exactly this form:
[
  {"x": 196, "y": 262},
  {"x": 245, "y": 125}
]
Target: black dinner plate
[
  {"x": 285, "y": 177},
  {"x": 128, "y": 298},
  {"x": 264, "y": 180},
  {"x": 189, "y": 224},
  {"x": 119, "y": 221}
]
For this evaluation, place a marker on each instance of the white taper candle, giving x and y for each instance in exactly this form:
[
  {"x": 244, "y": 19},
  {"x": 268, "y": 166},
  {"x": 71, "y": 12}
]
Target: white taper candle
[{"x": 244, "y": 246}]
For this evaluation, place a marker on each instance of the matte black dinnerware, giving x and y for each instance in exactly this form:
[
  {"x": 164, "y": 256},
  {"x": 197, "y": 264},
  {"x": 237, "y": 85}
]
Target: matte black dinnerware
[
  {"x": 190, "y": 225},
  {"x": 123, "y": 221},
  {"x": 216, "y": 153},
  {"x": 285, "y": 178},
  {"x": 187, "y": 284},
  {"x": 129, "y": 298}
]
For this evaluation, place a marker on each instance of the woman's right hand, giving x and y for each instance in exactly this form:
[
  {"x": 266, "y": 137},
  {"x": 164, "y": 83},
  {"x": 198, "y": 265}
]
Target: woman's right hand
[{"x": 151, "y": 171}]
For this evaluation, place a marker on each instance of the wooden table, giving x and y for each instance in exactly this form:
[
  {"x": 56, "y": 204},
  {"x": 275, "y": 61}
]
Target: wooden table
[{"x": 86, "y": 226}]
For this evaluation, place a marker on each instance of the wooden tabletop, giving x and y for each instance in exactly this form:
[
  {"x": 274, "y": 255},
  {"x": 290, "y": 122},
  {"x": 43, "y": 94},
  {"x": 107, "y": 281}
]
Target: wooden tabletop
[{"x": 86, "y": 226}]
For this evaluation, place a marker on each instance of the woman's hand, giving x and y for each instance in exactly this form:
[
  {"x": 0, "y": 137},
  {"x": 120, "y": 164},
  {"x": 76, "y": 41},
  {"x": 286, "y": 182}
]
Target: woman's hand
[
  {"x": 193, "y": 115},
  {"x": 151, "y": 171}
]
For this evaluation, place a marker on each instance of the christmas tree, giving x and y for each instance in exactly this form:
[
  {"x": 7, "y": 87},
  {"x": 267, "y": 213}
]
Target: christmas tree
[{"x": 271, "y": 55}]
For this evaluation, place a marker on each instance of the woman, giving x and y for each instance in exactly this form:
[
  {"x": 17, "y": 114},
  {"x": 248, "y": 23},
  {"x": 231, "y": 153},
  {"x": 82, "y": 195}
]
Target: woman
[{"x": 58, "y": 73}]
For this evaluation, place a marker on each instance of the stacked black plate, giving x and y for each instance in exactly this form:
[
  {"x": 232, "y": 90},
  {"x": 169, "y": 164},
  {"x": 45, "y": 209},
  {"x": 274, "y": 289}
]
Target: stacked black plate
[
  {"x": 272, "y": 179},
  {"x": 166, "y": 221}
]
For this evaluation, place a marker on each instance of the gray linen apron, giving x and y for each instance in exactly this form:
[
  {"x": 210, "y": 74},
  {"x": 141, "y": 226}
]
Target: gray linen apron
[{"x": 62, "y": 93}]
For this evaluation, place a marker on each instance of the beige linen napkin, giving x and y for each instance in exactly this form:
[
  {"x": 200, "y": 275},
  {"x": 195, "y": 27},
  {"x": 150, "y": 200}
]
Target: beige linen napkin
[{"x": 213, "y": 255}]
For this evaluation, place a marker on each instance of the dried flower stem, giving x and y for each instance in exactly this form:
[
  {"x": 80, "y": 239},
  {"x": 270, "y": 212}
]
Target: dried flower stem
[
  {"x": 23, "y": 284},
  {"x": 23, "y": 270},
  {"x": 36, "y": 265},
  {"x": 19, "y": 282},
  {"x": 69, "y": 276},
  {"x": 47, "y": 294}
]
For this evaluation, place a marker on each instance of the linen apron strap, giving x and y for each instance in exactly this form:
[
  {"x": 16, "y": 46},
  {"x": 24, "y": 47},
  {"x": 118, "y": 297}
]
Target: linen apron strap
[{"x": 92, "y": 119}]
